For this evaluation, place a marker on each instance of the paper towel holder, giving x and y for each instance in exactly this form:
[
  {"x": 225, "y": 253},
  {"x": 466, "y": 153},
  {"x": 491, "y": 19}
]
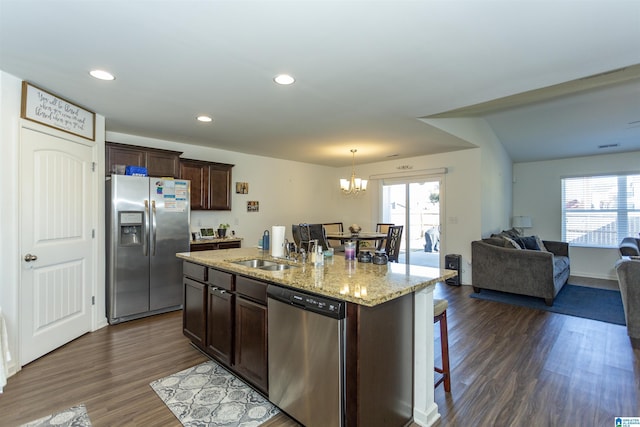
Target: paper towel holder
[{"x": 277, "y": 242}]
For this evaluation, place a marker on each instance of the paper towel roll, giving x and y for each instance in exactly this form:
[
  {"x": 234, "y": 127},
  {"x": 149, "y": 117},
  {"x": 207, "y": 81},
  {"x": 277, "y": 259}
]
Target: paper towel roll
[{"x": 277, "y": 240}]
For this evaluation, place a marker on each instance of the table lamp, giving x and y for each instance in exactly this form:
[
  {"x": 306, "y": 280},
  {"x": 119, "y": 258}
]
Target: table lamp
[{"x": 521, "y": 222}]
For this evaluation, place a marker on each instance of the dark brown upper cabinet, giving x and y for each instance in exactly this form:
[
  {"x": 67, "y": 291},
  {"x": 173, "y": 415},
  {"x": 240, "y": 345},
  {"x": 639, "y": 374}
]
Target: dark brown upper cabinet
[
  {"x": 159, "y": 163},
  {"x": 210, "y": 184}
]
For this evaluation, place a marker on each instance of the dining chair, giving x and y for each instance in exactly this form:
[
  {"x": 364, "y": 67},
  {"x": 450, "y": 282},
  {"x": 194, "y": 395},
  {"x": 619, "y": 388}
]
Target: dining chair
[
  {"x": 334, "y": 227},
  {"x": 309, "y": 232},
  {"x": 295, "y": 233},
  {"x": 394, "y": 237},
  {"x": 382, "y": 227}
]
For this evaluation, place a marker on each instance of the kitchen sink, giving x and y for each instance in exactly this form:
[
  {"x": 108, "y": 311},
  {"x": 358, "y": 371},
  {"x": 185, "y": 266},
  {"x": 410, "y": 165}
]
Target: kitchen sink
[
  {"x": 255, "y": 263},
  {"x": 263, "y": 264},
  {"x": 277, "y": 267}
]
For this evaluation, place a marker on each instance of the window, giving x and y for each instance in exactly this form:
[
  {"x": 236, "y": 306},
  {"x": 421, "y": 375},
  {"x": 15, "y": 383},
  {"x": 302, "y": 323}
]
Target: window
[{"x": 600, "y": 211}]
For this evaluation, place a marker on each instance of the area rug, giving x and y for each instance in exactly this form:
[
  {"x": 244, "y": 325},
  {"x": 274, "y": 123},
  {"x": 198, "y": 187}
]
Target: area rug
[
  {"x": 73, "y": 417},
  {"x": 209, "y": 395},
  {"x": 591, "y": 303}
]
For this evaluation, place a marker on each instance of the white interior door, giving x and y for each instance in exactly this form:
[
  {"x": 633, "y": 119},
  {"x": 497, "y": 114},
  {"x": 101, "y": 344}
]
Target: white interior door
[{"x": 56, "y": 242}]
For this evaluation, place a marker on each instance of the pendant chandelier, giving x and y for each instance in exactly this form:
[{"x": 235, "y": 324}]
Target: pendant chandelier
[{"x": 353, "y": 186}]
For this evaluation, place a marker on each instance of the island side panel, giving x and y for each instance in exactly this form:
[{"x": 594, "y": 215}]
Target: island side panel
[{"x": 379, "y": 365}]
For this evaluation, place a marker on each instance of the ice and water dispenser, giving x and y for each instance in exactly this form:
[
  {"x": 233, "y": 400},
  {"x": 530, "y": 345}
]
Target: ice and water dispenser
[{"x": 131, "y": 228}]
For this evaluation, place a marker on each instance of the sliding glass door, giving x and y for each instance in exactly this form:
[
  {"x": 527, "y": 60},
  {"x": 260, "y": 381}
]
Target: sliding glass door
[{"x": 415, "y": 204}]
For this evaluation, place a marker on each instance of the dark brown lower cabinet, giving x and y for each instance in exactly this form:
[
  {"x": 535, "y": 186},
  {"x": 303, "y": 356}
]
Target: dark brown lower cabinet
[
  {"x": 226, "y": 316},
  {"x": 214, "y": 246},
  {"x": 251, "y": 342},
  {"x": 194, "y": 314},
  {"x": 220, "y": 324}
]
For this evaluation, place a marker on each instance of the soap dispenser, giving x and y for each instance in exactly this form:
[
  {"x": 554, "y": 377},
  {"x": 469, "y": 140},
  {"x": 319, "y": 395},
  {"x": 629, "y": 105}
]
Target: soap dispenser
[{"x": 319, "y": 256}]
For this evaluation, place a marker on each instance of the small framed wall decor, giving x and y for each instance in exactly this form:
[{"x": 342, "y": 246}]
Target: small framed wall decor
[
  {"x": 242, "y": 188},
  {"x": 253, "y": 206}
]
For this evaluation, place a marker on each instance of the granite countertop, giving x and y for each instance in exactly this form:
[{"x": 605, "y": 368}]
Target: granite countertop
[
  {"x": 361, "y": 283},
  {"x": 215, "y": 240}
]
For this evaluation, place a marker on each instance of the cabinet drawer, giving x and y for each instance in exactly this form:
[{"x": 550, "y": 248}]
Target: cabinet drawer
[
  {"x": 252, "y": 289},
  {"x": 221, "y": 279},
  {"x": 195, "y": 271},
  {"x": 202, "y": 247},
  {"x": 228, "y": 245}
]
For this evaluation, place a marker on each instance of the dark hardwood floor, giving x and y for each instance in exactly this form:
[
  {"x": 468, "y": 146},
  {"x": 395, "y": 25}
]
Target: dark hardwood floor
[
  {"x": 511, "y": 366},
  {"x": 514, "y": 366}
]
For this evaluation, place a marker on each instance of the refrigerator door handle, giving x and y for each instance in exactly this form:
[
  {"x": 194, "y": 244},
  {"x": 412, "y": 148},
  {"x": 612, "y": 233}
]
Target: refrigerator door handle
[
  {"x": 153, "y": 225},
  {"x": 145, "y": 243}
]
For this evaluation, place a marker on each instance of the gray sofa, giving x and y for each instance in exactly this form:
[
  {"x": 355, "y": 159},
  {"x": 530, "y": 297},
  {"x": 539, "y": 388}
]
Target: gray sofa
[
  {"x": 537, "y": 273},
  {"x": 628, "y": 271}
]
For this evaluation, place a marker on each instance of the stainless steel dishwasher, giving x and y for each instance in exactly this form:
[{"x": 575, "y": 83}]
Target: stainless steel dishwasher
[{"x": 306, "y": 356}]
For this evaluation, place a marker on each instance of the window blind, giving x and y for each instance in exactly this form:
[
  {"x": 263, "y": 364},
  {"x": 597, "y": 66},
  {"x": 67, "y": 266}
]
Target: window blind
[{"x": 600, "y": 211}]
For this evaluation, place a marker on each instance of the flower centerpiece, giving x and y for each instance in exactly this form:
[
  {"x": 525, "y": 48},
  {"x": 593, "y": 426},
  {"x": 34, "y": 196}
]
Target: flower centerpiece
[{"x": 355, "y": 229}]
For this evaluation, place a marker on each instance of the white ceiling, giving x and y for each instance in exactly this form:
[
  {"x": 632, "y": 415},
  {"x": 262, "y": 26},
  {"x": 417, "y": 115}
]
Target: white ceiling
[{"x": 367, "y": 72}]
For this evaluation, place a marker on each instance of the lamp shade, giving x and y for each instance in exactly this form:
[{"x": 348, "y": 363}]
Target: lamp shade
[{"x": 521, "y": 222}]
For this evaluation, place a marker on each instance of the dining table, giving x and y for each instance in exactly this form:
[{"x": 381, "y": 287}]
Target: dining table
[{"x": 362, "y": 236}]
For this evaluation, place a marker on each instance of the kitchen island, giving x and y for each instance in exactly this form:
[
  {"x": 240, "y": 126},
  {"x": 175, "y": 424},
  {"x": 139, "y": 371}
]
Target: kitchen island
[{"x": 388, "y": 338}]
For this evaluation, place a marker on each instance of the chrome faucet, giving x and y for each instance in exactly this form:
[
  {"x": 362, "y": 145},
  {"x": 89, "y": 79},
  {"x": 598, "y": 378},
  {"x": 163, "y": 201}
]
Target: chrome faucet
[{"x": 289, "y": 248}]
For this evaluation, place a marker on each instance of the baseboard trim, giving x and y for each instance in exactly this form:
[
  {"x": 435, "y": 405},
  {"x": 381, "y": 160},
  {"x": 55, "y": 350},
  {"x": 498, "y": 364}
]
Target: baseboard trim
[{"x": 426, "y": 419}]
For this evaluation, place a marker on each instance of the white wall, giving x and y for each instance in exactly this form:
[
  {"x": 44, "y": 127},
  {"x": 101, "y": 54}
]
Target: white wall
[
  {"x": 494, "y": 171},
  {"x": 537, "y": 192},
  {"x": 480, "y": 202}
]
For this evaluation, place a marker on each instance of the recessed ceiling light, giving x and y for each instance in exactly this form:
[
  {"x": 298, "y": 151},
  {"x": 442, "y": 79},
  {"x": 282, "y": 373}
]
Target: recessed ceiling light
[
  {"x": 205, "y": 119},
  {"x": 102, "y": 75},
  {"x": 284, "y": 79}
]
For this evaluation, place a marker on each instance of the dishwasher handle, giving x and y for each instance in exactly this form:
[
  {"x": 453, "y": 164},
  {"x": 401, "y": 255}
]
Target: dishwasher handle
[{"x": 317, "y": 304}]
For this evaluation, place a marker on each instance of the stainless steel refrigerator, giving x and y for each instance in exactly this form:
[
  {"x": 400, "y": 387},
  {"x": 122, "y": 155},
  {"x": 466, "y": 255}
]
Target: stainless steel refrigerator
[{"x": 147, "y": 224}]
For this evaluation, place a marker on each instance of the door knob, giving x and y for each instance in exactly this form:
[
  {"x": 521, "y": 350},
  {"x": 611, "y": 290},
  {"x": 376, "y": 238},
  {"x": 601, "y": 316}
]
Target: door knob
[{"x": 29, "y": 257}]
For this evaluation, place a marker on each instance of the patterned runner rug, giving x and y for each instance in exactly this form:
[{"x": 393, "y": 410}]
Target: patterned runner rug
[
  {"x": 209, "y": 395},
  {"x": 73, "y": 417}
]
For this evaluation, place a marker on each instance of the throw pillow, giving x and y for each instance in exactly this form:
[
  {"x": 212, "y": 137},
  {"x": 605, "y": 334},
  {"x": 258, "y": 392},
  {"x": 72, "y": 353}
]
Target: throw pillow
[
  {"x": 512, "y": 233},
  {"x": 540, "y": 244},
  {"x": 511, "y": 242},
  {"x": 495, "y": 241},
  {"x": 528, "y": 243}
]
